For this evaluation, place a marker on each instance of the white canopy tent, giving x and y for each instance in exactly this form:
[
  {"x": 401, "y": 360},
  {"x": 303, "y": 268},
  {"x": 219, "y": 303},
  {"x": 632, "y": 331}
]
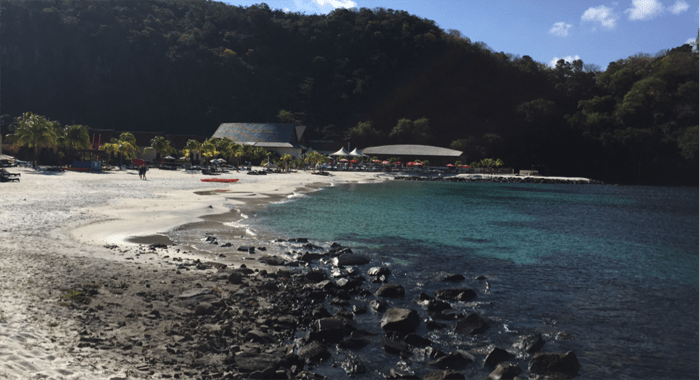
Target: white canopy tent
[
  {"x": 341, "y": 152},
  {"x": 357, "y": 153}
]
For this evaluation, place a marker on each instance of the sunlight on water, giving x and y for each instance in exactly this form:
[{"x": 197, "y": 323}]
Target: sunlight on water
[{"x": 518, "y": 223}]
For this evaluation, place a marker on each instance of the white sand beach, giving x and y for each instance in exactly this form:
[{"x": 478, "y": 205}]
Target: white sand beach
[
  {"x": 52, "y": 223},
  {"x": 55, "y": 233}
]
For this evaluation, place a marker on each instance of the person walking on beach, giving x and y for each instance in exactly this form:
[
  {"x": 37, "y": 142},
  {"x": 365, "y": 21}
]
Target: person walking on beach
[{"x": 142, "y": 171}]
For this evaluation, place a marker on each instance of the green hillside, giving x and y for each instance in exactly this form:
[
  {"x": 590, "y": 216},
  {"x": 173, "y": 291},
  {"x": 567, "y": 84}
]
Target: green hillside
[{"x": 368, "y": 76}]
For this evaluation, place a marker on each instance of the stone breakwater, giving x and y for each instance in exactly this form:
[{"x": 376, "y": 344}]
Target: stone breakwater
[
  {"x": 318, "y": 311},
  {"x": 502, "y": 179}
]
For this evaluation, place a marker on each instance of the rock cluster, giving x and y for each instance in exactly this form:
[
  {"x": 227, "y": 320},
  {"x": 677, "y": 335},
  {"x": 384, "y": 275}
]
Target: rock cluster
[{"x": 215, "y": 321}]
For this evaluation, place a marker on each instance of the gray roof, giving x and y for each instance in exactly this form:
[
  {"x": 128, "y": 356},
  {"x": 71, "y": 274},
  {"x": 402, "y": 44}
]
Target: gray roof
[
  {"x": 411, "y": 150},
  {"x": 268, "y": 135}
]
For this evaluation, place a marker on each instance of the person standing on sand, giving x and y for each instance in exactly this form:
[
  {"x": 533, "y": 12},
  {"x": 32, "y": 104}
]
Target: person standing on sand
[
  {"x": 145, "y": 169},
  {"x": 141, "y": 172}
]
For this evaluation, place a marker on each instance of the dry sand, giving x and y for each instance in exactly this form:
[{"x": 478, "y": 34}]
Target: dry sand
[{"x": 54, "y": 229}]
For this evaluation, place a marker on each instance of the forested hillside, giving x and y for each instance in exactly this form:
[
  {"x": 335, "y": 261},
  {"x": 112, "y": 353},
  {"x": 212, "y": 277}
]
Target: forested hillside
[{"x": 368, "y": 76}]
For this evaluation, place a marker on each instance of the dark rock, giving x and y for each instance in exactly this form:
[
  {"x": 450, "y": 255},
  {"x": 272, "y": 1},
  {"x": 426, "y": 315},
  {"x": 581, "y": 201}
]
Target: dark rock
[
  {"x": 252, "y": 361},
  {"x": 339, "y": 302},
  {"x": 353, "y": 343},
  {"x": 226, "y": 245},
  {"x": 378, "y": 305},
  {"x": 273, "y": 260},
  {"x": 378, "y": 271},
  {"x": 472, "y": 324},
  {"x": 398, "y": 319},
  {"x": 331, "y": 329},
  {"x": 359, "y": 309},
  {"x": 529, "y": 343},
  {"x": 448, "y": 315},
  {"x": 204, "y": 309},
  {"x": 417, "y": 340},
  {"x": 495, "y": 356},
  {"x": 315, "y": 276},
  {"x": 505, "y": 371},
  {"x": 393, "y": 346},
  {"x": 434, "y": 353},
  {"x": 433, "y": 325},
  {"x": 458, "y": 294},
  {"x": 352, "y": 366},
  {"x": 335, "y": 245},
  {"x": 391, "y": 290},
  {"x": 453, "y": 278},
  {"x": 455, "y": 359},
  {"x": 258, "y": 336},
  {"x": 235, "y": 278},
  {"x": 298, "y": 240},
  {"x": 348, "y": 259},
  {"x": 438, "y": 305},
  {"x": 444, "y": 375},
  {"x": 424, "y": 297},
  {"x": 348, "y": 283},
  {"x": 246, "y": 249},
  {"x": 311, "y": 246},
  {"x": 268, "y": 373},
  {"x": 554, "y": 365},
  {"x": 309, "y": 257},
  {"x": 344, "y": 313},
  {"x": 314, "y": 351}
]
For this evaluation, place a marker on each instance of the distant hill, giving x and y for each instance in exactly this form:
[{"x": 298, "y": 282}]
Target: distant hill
[{"x": 184, "y": 67}]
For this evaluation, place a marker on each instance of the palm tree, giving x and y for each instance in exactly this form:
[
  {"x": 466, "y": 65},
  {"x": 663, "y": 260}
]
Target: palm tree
[
  {"x": 161, "y": 145},
  {"x": 36, "y": 132},
  {"x": 192, "y": 146},
  {"x": 285, "y": 159},
  {"x": 76, "y": 137}
]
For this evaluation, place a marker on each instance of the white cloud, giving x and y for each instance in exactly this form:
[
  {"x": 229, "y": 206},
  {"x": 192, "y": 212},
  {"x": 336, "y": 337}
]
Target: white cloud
[
  {"x": 645, "y": 9},
  {"x": 690, "y": 40},
  {"x": 560, "y": 29},
  {"x": 323, "y": 6},
  {"x": 679, "y": 7},
  {"x": 602, "y": 15},
  {"x": 568, "y": 58}
]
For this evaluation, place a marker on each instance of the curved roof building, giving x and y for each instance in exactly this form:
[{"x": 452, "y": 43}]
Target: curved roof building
[
  {"x": 411, "y": 150},
  {"x": 281, "y": 138}
]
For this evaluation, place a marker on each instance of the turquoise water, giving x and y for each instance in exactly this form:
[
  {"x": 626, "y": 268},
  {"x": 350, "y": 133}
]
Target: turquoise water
[
  {"x": 613, "y": 269},
  {"x": 652, "y": 232}
]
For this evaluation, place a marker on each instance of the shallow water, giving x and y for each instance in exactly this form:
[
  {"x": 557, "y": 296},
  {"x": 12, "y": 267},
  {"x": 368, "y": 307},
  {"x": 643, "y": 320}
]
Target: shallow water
[{"x": 607, "y": 271}]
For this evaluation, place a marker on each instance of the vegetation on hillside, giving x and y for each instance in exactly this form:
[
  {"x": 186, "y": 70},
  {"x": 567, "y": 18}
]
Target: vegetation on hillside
[{"x": 371, "y": 77}]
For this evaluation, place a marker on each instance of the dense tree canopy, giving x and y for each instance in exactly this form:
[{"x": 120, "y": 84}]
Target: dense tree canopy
[{"x": 369, "y": 76}]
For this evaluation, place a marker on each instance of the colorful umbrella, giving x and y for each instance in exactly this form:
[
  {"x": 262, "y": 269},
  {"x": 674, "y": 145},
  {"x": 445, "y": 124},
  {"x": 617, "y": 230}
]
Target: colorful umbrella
[
  {"x": 385, "y": 162},
  {"x": 450, "y": 165},
  {"x": 344, "y": 160},
  {"x": 353, "y": 161}
]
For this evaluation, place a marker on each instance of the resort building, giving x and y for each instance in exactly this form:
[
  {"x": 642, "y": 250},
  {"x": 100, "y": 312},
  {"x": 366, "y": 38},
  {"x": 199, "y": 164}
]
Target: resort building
[
  {"x": 279, "y": 138},
  {"x": 407, "y": 152}
]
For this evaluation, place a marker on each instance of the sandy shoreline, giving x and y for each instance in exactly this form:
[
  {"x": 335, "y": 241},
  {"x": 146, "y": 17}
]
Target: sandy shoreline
[
  {"x": 54, "y": 229},
  {"x": 63, "y": 232}
]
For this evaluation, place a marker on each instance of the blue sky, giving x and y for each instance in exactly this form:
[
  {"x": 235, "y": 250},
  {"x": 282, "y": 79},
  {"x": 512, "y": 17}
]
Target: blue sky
[{"x": 597, "y": 32}]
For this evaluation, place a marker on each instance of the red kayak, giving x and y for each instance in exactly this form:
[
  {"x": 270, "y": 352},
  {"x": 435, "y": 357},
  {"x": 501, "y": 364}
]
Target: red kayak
[{"x": 225, "y": 180}]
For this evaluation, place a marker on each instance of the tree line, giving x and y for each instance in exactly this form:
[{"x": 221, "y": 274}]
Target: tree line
[{"x": 367, "y": 76}]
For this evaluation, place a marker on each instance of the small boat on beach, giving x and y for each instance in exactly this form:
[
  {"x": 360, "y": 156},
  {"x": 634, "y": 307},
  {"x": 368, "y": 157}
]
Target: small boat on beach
[{"x": 225, "y": 180}]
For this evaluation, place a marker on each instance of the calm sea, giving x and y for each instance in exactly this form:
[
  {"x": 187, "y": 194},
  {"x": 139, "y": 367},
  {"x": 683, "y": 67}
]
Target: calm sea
[{"x": 610, "y": 272}]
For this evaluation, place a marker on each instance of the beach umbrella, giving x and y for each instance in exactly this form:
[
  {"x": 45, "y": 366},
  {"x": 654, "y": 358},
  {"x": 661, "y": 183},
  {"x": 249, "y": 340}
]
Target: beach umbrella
[
  {"x": 353, "y": 161},
  {"x": 418, "y": 163},
  {"x": 376, "y": 161},
  {"x": 385, "y": 162},
  {"x": 450, "y": 165},
  {"x": 344, "y": 160}
]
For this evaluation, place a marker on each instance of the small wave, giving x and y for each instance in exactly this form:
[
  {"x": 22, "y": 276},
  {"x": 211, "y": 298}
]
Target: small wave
[
  {"x": 236, "y": 224},
  {"x": 296, "y": 195},
  {"x": 244, "y": 216},
  {"x": 250, "y": 232}
]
